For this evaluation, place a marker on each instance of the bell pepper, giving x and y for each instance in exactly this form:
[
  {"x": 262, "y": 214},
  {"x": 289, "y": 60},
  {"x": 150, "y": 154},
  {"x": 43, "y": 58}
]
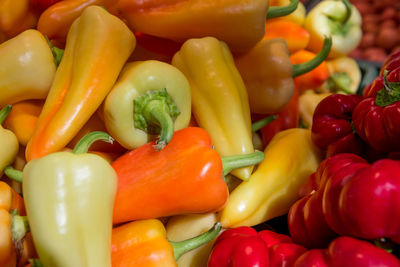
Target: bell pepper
[
  {"x": 22, "y": 119},
  {"x": 352, "y": 197},
  {"x": 268, "y": 73},
  {"x": 56, "y": 21},
  {"x": 28, "y": 68},
  {"x": 8, "y": 142},
  {"x": 156, "y": 95},
  {"x": 89, "y": 67},
  {"x": 307, "y": 104},
  {"x": 338, "y": 19},
  {"x": 297, "y": 16},
  {"x": 63, "y": 189},
  {"x": 148, "y": 187},
  {"x": 347, "y": 252},
  {"x": 290, "y": 158},
  {"x": 391, "y": 62},
  {"x": 182, "y": 227},
  {"x": 208, "y": 65},
  {"x": 43, "y": 4},
  {"x": 244, "y": 247},
  {"x": 144, "y": 243}
]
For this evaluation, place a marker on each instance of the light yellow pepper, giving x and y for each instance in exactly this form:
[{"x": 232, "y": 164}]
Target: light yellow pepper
[
  {"x": 27, "y": 68},
  {"x": 307, "y": 104},
  {"x": 290, "y": 158},
  {"x": 219, "y": 98},
  {"x": 8, "y": 142}
]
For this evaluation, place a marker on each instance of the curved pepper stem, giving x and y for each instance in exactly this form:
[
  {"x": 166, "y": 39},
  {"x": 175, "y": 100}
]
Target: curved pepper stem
[
  {"x": 389, "y": 94},
  {"x": 13, "y": 174},
  {"x": 280, "y": 11},
  {"x": 299, "y": 69},
  {"x": 349, "y": 9},
  {"x": 155, "y": 113},
  {"x": 255, "y": 126},
  {"x": 83, "y": 145},
  {"x": 230, "y": 163},
  {"x": 184, "y": 246},
  {"x": 4, "y": 113}
]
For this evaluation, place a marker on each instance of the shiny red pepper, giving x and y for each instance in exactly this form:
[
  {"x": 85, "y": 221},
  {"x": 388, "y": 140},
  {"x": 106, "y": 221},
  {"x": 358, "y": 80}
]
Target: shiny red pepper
[
  {"x": 347, "y": 252},
  {"x": 351, "y": 197},
  {"x": 244, "y": 247}
]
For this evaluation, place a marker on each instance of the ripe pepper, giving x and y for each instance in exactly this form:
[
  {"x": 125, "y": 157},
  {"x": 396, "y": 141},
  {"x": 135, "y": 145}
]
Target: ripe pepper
[
  {"x": 156, "y": 95},
  {"x": 345, "y": 75},
  {"x": 351, "y": 197},
  {"x": 61, "y": 190},
  {"x": 89, "y": 67},
  {"x": 56, "y": 21},
  {"x": 347, "y": 252},
  {"x": 290, "y": 158},
  {"x": 144, "y": 243},
  {"x": 208, "y": 65},
  {"x": 307, "y": 104},
  {"x": 244, "y": 247},
  {"x": 338, "y": 19},
  {"x": 268, "y": 73},
  {"x": 28, "y": 68},
  {"x": 148, "y": 179},
  {"x": 8, "y": 142}
]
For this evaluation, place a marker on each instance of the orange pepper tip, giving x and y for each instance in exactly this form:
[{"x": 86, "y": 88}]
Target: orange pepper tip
[{"x": 280, "y": 11}]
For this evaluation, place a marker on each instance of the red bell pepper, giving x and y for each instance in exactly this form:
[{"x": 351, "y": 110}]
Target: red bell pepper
[
  {"x": 347, "y": 252},
  {"x": 352, "y": 198},
  {"x": 244, "y": 247}
]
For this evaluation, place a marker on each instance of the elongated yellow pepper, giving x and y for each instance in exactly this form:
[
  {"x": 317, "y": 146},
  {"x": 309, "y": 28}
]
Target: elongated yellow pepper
[
  {"x": 219, "y": 98},
  {"x": 290, "y": 158}
]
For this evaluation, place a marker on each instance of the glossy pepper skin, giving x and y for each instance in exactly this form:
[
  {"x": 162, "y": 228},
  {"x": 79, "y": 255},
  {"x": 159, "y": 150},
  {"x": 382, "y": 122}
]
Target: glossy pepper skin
[
  {"x": 28, "y": 68},
  {"x": 240, "y": 25},
  {"x": 352, "y": 197},
  {"x": 69, "y": 199},
  {"x": 347, "y": 252},
  {"x": 142, "y": 83},
  {"x": 8, "y": 142},
  {"x": 290, "y": 158},
  {"x": 208, "y": 65},
  {"x": 243, "y": 246},
  {"x": 98, "y": 45}
]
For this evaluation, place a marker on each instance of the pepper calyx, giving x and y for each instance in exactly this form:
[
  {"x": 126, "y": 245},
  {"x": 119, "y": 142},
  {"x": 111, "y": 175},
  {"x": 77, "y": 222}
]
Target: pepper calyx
[{"x": 389, "y": 94}]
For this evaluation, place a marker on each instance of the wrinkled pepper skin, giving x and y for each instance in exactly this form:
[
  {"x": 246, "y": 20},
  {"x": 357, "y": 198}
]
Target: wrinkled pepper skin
[
  {"x": 290, "y": 158},
  {"x": 56, "y": 20},
  {"x": 136, "y": 79},
  {"x": 28, "y": 68},
  {"x": 148, "y": 179},
  {"x": 208, "y": 65},
  {"x": 352, "y": 197},
  {"x": 347, "y": 252},
  {"x": 98, "y": 45},
  {"x": 244, "y": 247},
  {"x": 266, "y": 71},
  {"x": 239, "y": 24}
]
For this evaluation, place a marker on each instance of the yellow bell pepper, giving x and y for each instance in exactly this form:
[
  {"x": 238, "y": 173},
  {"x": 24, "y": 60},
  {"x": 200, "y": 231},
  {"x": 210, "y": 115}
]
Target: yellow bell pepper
[
  {"x": 28, "y": 68},
  {"x": 98, "y": 44},
  {"x": 8, "y": 142},
  {"x": 150, "y": 97},
  {"x": 219, "y": 98},
  {"x": 290, "y": 158},
  {"x": 338, "y": 19},
  {"x": 307, "y": 104}
]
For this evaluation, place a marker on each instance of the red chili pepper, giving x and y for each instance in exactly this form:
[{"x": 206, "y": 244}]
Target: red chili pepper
[
  {"x": 353, "y": 198},
  {"x": 244, "y": 247}
]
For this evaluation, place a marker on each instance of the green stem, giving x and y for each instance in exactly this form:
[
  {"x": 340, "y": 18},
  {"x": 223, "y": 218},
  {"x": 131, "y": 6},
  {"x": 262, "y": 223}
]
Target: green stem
[
  {"x": 189, "y": 244},
  {"x": 13, "y": 174},
  {"x": 340, "y": 82},
  {"x": 299, "y": 69},
  {"x": 83, "y": 145},
  {"x": 4, "y": 113},
  {"x": 280, "y": 11},
  {"x": 19, "y": 228},
  {"x": 57, "y": 52},
  {"x": 349, "y": 9},
  {"x": 230, "y": 163},
  {"x": 255, "y": 126}
]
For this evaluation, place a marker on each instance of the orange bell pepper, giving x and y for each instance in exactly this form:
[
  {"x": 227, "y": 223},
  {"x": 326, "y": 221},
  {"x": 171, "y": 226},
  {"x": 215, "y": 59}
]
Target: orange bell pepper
[
  {"x": 56, "y": 20},
  {"x": 313, "y": 79},
  {"x": 296, "y": 36}
]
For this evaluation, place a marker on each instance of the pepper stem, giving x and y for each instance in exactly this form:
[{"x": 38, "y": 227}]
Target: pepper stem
[
  {"x": 13, "y": 174},
  {"x": 4, "y": 113},
  {"x": 155, "y": 113},
  {"x": 255, "y": 126},
  {"x": 299, "y": 69},
  {"x": 340, "y": 82},
  {"x": 349, "y": 9},
  {"x": 280, "y": 11},
  {"x": 184, "y": 246},
  {"x": 19, "y": 228},
  {"x": 84, "y": 144},
  {"x": 230, "y": 163},
  {"x": 57, "y": 52}
]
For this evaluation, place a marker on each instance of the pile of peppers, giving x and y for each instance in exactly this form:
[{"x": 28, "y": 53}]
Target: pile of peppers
[{"x": 181, "y": 133}]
